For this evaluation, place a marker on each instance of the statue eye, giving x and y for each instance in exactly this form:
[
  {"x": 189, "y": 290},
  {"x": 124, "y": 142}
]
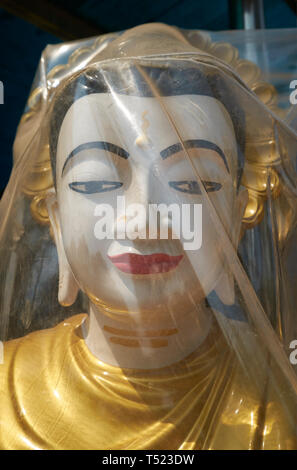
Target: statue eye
[
  {"x": 192, "y": 187},
  {"x": 92, "y": 187}
]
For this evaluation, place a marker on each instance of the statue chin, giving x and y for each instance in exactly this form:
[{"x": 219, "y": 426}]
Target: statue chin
[{"x": 151, "y": 304}]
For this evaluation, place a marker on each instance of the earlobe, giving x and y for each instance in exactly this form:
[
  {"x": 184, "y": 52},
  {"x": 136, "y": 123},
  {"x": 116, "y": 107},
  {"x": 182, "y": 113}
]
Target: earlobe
[
  {"x": 68, "y": 287},
  {"x": 225, "y": 288},
  {"x": 225, "y": 285}
]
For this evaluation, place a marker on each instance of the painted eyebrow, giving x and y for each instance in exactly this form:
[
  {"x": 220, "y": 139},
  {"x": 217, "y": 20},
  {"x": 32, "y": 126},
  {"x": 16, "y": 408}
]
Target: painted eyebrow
[
  {"x": 96, "y": 145},
  {"x": 198, "y": 143}
]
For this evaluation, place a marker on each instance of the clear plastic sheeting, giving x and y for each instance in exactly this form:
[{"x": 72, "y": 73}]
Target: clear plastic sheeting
[{"x": 147, "y": 241}]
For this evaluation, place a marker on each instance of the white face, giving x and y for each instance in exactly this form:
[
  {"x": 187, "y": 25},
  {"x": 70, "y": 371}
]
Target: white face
[{"x": 147, "y": 166}]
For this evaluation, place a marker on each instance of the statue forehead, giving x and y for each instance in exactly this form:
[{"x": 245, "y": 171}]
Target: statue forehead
[{"x": 122, "y": 119}]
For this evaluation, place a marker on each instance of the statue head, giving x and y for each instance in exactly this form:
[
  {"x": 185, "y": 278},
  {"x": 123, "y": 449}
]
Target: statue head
[{"x": 126, "y": 139}]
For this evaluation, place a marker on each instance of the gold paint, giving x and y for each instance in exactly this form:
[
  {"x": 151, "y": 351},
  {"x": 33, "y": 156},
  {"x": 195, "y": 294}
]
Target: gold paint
[
  {"x": 256, "y": 179},
  {"x": 262, "y": 153},
  {"x": 127, "y": 342},
  {"x": 141, "y": 141},
  {"x": 139, "y": 343},
  {"x": 69, "y": 399},
  {"x": 144, "y": 334},
  {"x": 36, "y": 185},
  {"x": 123, "y": 315},
  {"x": 266, "y": 93},
  {"x": 225, "y": 52},
  {"x": 254, "y": 210},
  {"x": 40, "y": 177},
  {"x": 248, "y": 71},
  {"x": 39, "y": 209},
  {"x": 118, "y": 314},
  {"x": 156, "y": 343}
]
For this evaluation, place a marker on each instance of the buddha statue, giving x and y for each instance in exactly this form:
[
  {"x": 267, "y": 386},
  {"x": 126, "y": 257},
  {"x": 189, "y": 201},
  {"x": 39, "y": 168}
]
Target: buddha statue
[{"x": 175, "y": 350}]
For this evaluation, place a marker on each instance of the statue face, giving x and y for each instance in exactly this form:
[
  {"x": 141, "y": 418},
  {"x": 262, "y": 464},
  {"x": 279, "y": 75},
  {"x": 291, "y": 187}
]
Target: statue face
[{"x": 113, "y": 145}]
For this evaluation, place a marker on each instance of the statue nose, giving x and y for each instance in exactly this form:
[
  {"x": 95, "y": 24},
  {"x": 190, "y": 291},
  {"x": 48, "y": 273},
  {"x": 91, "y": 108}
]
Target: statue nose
[{"x": 141, "y": 200}]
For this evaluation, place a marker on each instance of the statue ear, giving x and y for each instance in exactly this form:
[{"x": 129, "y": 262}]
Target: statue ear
[
  {"x": 68, "y": 287},
  {"x": 225, "y": 285}
]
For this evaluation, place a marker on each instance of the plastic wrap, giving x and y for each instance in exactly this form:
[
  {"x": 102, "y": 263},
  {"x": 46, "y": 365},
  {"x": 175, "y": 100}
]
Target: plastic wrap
[{"x": 173, "y": 324}]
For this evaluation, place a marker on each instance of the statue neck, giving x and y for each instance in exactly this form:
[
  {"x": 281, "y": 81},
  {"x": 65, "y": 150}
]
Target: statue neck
[{"x": 128, "y": 344}]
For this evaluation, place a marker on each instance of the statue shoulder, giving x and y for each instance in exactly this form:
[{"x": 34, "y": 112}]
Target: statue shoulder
[
  {"x": 255, "y": 416},
  {"x": 26, "y": 364},
  {"x": 20, "y": 352}
]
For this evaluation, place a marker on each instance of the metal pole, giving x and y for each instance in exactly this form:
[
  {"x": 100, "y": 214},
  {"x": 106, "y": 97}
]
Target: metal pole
[{"x": 253, "y": 14}]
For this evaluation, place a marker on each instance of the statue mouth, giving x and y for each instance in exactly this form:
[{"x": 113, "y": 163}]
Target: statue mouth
[{"x": 155, "y": 263}]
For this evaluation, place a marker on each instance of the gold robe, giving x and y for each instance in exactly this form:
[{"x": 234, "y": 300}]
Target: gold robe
[{"x": 54, "y": 394}]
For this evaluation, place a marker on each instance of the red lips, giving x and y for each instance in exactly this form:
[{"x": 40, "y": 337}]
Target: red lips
[{"x": 133, "y": 263}]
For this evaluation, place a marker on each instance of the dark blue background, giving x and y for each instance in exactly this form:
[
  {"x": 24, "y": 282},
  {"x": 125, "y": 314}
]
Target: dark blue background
[{"x": 22, "y": 43}]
